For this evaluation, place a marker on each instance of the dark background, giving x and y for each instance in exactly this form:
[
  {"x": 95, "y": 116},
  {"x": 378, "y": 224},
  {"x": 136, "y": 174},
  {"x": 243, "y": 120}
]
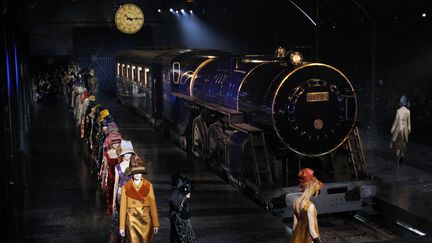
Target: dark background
[{"x": 384, "y": 47}]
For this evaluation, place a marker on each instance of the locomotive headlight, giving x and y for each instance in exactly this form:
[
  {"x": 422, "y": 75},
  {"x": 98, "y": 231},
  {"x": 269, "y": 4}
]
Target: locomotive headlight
[{"x": 296, "y": 58}]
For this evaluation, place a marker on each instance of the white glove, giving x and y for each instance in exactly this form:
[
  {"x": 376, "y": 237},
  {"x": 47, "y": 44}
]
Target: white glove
[{"x": 122, "y": 232}]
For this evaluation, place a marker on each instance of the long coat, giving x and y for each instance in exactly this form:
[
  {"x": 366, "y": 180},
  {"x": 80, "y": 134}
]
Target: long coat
[
  {"x": 138, "y": 213},
  {"x": 401, "y": 124}
]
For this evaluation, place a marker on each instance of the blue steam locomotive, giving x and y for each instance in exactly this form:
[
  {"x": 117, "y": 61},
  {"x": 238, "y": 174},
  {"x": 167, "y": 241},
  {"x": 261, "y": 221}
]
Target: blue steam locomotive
[{"x": 256, "y": 120}]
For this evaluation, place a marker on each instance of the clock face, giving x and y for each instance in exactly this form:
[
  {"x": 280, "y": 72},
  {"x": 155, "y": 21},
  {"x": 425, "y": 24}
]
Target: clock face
[{"x": 129, "y": 18}]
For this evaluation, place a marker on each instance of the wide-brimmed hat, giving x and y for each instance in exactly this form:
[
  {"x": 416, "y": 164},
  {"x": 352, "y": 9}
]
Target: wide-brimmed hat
[
  {"x": 136, "y": 166},
  {"x": 126, "y": 147},
  {"x": 114, "y": 137},
  {"x": 306, "y": 175}
]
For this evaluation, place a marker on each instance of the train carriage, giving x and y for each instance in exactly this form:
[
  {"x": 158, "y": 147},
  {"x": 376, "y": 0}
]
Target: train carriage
[{"x": 257, "y": 120}]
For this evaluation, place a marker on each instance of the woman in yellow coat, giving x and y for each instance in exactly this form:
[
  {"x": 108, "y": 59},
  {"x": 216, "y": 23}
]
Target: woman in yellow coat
[
  {"x": 305, "y": 226},
  {"x": 138, "y": 212}
]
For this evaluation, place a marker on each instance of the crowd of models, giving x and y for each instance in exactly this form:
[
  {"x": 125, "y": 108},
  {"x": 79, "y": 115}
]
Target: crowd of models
[{"x": 130, "y": 198}]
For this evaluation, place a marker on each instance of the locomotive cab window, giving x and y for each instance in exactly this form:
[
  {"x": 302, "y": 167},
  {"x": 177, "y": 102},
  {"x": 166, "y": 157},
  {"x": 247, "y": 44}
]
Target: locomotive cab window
[{"x": 176, "y": 72}]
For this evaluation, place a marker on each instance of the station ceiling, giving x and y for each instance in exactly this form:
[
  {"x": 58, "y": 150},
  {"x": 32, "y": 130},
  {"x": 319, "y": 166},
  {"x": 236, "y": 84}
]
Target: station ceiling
[{"x": 28, "y": 14}]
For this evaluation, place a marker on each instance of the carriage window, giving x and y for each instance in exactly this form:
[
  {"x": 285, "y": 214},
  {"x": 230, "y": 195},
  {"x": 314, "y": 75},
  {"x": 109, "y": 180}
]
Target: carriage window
[
  {"x": 139, "y": 74},
  {"x": 146, "y": 77},
  {"x": 134, "y": 73},
  {"x": 176, "y": 72},
  {"x": 128, "y": 71}
]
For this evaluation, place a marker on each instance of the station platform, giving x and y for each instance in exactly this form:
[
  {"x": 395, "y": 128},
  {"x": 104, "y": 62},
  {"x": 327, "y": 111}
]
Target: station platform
[
  {"x": 58, "y": 199},
  {"x": 406, "y": 190}
]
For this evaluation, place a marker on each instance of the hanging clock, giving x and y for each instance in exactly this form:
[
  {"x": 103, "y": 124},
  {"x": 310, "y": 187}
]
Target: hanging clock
[{"x": 129, "y": 18}]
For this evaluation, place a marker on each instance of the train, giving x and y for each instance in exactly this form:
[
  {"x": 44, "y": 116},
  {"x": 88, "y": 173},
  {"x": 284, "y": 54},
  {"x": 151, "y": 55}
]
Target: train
[{"x": 256, "y": 120}]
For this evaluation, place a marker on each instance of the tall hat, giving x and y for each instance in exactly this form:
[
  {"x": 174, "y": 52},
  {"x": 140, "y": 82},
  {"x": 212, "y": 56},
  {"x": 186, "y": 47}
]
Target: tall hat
[
  {"x": 306, "y": 175},
  {"x": 136, "y": 166},
  {"x": 126, "y": 147}
]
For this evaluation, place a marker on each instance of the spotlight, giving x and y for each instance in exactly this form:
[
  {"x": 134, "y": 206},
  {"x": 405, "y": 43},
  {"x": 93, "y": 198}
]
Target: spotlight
[
  {"x": 171, "y": 10},
  {"x": 177, "y": 11},
  {"x": 183, "y": 11},
  {"x": 424, "y": 15},
  {"x": 159, "y": 10},
  {"x": 190, "y": 11}
]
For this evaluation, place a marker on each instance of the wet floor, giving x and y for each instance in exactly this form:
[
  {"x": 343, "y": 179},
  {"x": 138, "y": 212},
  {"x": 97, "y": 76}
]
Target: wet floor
[
  {"x": 60, "y": 200},
  {"x": 57, "y": 199}
]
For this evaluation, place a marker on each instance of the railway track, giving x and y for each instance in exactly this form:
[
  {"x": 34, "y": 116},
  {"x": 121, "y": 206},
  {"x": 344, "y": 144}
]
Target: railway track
[{"x": 362, "y": 227}]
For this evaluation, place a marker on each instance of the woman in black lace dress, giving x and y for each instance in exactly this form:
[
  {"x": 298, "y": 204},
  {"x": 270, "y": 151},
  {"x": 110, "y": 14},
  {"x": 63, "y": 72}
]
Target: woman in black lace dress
[{"x": 181, "y": 228}]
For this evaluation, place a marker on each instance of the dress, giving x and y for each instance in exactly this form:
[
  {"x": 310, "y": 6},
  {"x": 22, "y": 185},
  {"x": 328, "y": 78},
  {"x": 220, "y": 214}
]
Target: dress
[
  {"x": 301, "y": 233},
  {"x": 181, "y": 227},
  {"x": 138, "y": 213},
  {"x": 108, "y": 179}
]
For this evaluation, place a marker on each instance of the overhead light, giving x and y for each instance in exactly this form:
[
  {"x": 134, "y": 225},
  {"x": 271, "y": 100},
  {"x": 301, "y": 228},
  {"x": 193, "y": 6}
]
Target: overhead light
[
  {"x": 190, "y": 11},
  {"x": 424, "y": 15},
  {"x": 177, "y": 11},
  {"x": 171, "y": 10},
  {"x": 183, "y": 11},
  {"x": 159, "y": 10}
]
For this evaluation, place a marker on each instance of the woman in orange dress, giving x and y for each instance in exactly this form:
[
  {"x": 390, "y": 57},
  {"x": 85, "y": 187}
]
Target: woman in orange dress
[{"x": 305, "y": 226}]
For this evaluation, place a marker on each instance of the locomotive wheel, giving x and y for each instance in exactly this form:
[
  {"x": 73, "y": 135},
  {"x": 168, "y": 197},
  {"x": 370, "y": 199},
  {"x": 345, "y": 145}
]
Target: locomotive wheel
[{"x": 199, "y": 138}]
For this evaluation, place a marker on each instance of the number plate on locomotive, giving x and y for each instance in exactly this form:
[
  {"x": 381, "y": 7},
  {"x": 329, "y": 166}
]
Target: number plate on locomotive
[{"x": 317, "y": 96}]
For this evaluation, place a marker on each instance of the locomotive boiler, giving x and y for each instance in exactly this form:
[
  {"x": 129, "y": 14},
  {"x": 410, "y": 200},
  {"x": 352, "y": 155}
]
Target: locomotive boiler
[{"x": 256, "y": 120}]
